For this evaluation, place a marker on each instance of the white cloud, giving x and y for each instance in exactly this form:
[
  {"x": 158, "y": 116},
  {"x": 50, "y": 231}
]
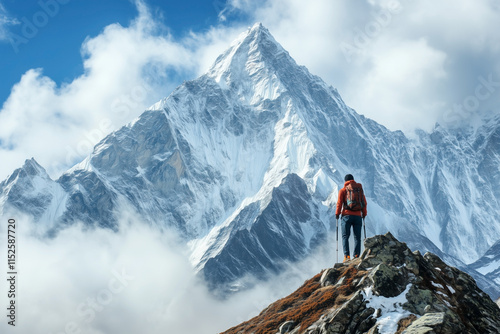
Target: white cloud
[
  {"x": 396, "y": 85},
  {"x": 138, "y": 280},
  {"x": 5, "y": 21},
  {"x": 125, "y": 71}
]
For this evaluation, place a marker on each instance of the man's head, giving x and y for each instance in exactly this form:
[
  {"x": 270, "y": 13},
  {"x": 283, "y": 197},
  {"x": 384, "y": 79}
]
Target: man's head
[{"x": 348, "y": 177}]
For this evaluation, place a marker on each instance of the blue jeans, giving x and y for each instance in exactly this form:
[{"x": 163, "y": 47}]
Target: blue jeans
[{"x": 356, "y": 222}]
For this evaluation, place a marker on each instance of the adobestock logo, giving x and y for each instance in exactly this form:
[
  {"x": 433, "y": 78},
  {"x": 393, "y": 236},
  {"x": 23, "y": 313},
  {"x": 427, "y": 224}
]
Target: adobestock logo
[
  {"x": 471, "y": 103},
  {"x": 362, "y": 37},
  {"x": 88, "y": 310},
  {"x": 30, "y": 27},
  {"x": 123, "y": 106},
  {"x": 91, "y": 138}
]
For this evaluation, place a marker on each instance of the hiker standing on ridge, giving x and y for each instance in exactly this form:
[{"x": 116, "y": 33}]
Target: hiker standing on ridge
[{"x": 352, "y": 205}]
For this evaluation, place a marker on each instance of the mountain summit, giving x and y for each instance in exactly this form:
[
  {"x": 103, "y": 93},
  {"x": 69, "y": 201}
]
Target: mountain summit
[
  {"x": 245, "y": 163},
  {"x": 388, "y": 289},
  {"x": 248, "y": 57}
]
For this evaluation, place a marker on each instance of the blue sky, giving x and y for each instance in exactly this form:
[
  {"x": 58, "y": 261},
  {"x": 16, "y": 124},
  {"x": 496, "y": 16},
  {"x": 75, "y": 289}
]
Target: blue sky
[
  {"x": 88, "y": 67},
  {"x": 55, "y": 47},
  {"x": 95, "y": 65}
]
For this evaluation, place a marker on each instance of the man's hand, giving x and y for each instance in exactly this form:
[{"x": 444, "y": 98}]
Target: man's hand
[{"x": 337, "y": 217}]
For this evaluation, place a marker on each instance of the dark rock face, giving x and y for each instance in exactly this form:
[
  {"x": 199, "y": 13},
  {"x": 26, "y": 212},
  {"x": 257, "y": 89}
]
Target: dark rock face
[
  {"x": 388, "y": 289},
  {"x": 274, "y": 238},
  {"x": 97, "y": 208}
]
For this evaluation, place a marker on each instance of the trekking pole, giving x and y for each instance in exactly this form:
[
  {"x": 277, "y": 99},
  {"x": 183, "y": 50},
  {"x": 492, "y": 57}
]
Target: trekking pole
[
  {"x": 364, "y": 226},
  {"x": 337, "y": 250}
]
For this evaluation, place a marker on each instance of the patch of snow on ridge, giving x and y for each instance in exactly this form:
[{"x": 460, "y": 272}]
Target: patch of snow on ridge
[
  {"x": 437, "y": 285},
  {"x": 391, "y": 309}
]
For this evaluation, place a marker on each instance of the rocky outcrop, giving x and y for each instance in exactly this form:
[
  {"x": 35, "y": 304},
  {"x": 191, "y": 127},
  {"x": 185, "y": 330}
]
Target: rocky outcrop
[{"x": 389, "y": 289}]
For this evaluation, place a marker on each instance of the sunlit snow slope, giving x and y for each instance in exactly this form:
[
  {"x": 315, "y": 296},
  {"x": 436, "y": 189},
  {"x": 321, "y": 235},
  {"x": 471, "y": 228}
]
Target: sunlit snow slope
[{"x": 246, "y": 162}]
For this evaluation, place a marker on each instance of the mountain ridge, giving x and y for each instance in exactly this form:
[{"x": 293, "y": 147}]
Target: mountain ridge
[{"x": 217, "y": 158}]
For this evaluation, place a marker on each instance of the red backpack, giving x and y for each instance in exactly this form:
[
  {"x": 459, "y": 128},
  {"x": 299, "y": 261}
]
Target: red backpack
[{"x": 354, "y": 197}]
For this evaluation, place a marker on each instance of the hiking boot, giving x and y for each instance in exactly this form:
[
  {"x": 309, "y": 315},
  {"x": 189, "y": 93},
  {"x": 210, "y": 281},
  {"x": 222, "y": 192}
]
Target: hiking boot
[
  {"x": 356, "y": 256},
  {"x": 346, "y": 258}
]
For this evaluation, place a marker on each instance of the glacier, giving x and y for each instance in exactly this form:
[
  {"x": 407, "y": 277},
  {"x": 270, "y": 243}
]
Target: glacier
[{"x": 245, "y": 163}]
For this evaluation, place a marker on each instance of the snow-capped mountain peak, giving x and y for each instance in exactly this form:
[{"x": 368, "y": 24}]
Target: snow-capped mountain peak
[
  {"x": 31, "y": 177},
  {"x": 256, "y": 66},
  {"x": 245, "y": 162},
  {"x": 247, "y": 54},
  {"x": 31, "y": 190}
]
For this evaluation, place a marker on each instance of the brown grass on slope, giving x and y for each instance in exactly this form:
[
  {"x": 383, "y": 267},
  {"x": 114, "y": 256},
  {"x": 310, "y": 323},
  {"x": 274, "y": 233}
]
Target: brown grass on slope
[{"x": 304, "y": 306}]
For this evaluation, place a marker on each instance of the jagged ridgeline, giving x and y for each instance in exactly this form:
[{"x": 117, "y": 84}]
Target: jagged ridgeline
[
  {"x": 389, "y": 289},
  {"x": 245, "y": 163}
]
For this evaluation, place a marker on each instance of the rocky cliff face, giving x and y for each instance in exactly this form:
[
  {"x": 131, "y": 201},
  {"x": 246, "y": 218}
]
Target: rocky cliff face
[
  {"x": 245, "y": 163},
  {"x": 389, "y": 289}
]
